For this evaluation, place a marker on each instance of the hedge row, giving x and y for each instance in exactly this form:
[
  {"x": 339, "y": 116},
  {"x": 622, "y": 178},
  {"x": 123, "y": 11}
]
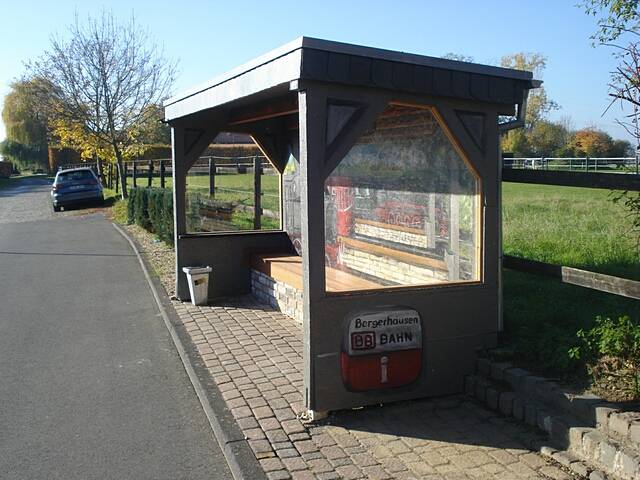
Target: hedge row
[{"x": 152, "y": 209}]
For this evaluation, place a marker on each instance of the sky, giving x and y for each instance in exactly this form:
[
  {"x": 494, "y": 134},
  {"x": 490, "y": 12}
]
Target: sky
[{"x": 208, "y": 38}]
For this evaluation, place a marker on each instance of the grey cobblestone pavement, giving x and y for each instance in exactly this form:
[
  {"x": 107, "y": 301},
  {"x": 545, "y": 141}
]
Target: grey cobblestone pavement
[{"x": 254, "y": 354}]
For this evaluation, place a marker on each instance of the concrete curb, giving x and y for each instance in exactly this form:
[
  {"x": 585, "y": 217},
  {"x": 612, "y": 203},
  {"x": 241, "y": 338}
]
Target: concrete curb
[{"x": 235, "y": 447}]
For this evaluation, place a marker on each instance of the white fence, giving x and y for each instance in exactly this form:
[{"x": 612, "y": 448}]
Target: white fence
[{"x": 579, "y": 164}]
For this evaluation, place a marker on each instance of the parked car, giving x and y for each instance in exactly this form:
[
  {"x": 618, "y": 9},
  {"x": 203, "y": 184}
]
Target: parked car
[{"x": 75, "y": 185}]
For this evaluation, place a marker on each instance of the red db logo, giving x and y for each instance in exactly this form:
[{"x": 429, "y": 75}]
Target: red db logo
[{"x": 363, "y": 340}]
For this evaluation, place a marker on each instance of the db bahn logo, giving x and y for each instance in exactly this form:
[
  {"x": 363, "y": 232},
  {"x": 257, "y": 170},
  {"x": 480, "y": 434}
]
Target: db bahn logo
[{"x": 363, "y": 340}]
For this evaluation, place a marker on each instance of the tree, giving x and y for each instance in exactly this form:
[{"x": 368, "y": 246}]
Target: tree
[
  {"x": 458, "y": 57},
  {"x": 548, "y": 138},
  {"x": 517, "y": 143},
  {"x": 107, "y": 76},
  {"x": 591, "y": 142},
  {"x": 614, "y": 17},
  {"x": 538, "y": 103},
  {"x": 27, "y": 124}
]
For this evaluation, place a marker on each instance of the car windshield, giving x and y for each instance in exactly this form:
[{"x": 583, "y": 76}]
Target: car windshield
[{"x": 66, "y": 177}]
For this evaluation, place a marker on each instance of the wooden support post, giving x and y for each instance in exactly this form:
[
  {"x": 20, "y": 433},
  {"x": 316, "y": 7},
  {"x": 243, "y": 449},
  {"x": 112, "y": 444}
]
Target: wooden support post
[
  {"x": 150, "y": 174},
  {"x": 135, "y": 174},
  {"x": 257, "y": 190},
  {"x": 212, "y": 177},
  {"x": 162, "y": 173}
]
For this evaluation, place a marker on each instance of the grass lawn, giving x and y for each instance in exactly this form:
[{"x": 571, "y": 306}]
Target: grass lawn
[
  {"x": 569, "y": 226},
  {"x": 242, "y": 184},
  {"x": 577, "y": 227}
]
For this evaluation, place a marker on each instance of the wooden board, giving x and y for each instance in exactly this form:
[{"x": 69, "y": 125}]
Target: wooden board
[
  {"x": 288, "y": 269},
  {"x": 583, "y": 278},
  {"x": 392, "y": 253}
]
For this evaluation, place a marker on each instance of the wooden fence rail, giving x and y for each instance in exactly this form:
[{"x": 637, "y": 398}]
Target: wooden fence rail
[{"x": 583, "y": 278}]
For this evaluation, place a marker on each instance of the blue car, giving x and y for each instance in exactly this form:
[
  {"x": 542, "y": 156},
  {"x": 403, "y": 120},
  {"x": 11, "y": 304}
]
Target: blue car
[{"x": 75, "y": 185}]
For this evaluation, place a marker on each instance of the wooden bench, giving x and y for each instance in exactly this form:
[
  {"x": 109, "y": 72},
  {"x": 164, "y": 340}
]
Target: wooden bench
[{"x": 288, "y": 269}]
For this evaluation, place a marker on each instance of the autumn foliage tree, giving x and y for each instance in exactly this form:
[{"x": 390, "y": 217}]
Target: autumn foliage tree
[{"x": 106, "y": 78}]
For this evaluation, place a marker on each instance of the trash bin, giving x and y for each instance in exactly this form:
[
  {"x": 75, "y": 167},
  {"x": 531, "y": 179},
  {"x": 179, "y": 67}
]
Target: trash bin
[{"x": 198, "y": 278}]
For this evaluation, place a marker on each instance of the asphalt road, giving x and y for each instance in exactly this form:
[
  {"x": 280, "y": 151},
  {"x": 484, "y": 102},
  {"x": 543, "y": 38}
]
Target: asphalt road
[{"x": 91, "y": 386}]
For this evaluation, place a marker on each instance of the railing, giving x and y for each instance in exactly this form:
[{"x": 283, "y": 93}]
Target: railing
[
  {"x": 610, "y": 181},
  {"x": 578, "y": 164}
]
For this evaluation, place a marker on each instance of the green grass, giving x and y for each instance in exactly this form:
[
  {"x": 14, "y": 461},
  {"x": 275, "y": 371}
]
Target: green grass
[
  {"x": 576, "y": 227},
  {"x": 569, "y": 226}
]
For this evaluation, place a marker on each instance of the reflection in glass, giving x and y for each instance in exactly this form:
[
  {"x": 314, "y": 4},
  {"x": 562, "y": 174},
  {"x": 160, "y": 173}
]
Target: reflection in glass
[{"x": 401, "y": 208}]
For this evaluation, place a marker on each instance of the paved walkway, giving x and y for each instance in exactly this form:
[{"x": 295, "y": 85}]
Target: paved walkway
[{"x": 255, "y": 356}]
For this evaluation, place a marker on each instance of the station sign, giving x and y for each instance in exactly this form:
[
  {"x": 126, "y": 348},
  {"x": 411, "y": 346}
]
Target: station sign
[{"x": 382, "y": 349}]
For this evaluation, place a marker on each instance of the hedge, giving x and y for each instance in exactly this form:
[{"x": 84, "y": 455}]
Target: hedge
[{"x": 152, "y": 209}]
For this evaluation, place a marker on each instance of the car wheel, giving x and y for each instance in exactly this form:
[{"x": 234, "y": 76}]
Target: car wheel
[{"x": 56, "y": 208}]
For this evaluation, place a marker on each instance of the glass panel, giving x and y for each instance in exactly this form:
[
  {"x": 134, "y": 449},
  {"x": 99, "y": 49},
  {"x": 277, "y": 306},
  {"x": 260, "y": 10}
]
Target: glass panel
[
  {"x": 401, "y": 209},
  {"x": 221, "y": 185},
  {"x": 291, "y": 200}
]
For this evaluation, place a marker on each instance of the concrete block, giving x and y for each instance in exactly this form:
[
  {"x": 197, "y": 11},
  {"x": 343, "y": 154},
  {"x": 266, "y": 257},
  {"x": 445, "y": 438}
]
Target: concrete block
[
  {"x": 514, "y": 376},
  {"x": 530, "y": 384},
  {"x": 564, "y": 458},
  {"x": 621, "y": 422},
  {"x": 505, "y": 403},
  {"x": 481, "y": 388},
  {"x": 470, "y": 385},
  {"x": 531, "y": 414},
  {"x": 491, "y": 396},
  {"x": 634, "y": 432},
  {"x": 607, "y": 456},
  {"x": 591, "y": 445},
  {"x": 543, "y": 420},
  {"x": 627, "y": 465},
  {"x": 498, "y": 369},
  {"x": 559, "y": 431},
  {"x": 575, "y": 437},
  {"x": 518, "y": 408},
  {"x": 601, "y": 413},
  {"x": 580, "y": 468}
]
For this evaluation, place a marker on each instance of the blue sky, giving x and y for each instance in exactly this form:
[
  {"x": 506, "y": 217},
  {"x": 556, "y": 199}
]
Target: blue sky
[{"x": 210, "y": 37}]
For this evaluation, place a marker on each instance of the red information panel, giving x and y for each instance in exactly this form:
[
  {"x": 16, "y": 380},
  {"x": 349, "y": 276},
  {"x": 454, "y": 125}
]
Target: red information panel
[{"x": 382, "y": 349}]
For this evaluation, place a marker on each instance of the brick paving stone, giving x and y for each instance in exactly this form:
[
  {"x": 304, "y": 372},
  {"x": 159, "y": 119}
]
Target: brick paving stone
[
  {"x": 271, "y": 464},
  {"x": 303, "y": 475},
  {"x": 269, "y": 423},
  {"x": 254, "y": 355},
  {"x": 294, "y": 463},
  {"x": 279, "y": 475},
  {"x": 350, "y": 472}
]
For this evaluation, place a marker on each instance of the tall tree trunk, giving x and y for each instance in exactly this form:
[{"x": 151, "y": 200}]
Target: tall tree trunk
[{"x": 121, "y": 171}]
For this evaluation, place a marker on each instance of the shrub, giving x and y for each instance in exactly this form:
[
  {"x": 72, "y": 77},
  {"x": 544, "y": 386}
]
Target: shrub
[
  {"x": 611, "y": 350},
  {"x": 152, "y": 209}
]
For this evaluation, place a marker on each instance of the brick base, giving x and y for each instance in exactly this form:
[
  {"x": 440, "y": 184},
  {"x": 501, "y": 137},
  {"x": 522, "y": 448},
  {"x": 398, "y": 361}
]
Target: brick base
[{"x": 277, "y": 294}]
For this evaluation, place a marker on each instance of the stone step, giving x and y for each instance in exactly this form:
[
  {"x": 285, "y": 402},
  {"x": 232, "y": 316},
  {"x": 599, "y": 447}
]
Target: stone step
[
  {"x": 596, "y": 441},
  {"x": 615, "y": 419}
]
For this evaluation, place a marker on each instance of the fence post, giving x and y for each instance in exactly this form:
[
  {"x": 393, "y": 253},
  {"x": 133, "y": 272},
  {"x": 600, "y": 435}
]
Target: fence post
[
  {"x": 595, "y": 164},
  {"x": 237, "y": 166},
  {"x": 150, "y": 174},
  {"x": 257, "y": 190},
  {"x": 134, "y": 174},
  {"x": 587, "y": 163},
  {"x": 212, "y": 177},
  {"x": 162, "y": 170},
  {"x": 570, "y": 164}
]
